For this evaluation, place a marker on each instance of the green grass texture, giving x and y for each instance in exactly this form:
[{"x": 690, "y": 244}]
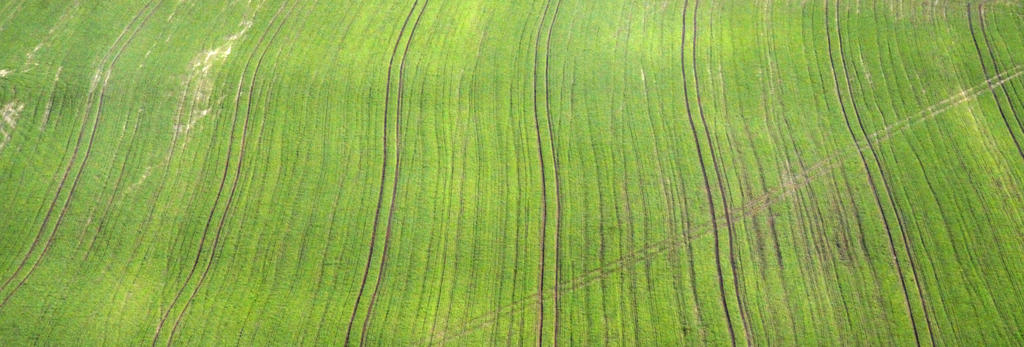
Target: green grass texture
[{"x": 510, "y": 173}]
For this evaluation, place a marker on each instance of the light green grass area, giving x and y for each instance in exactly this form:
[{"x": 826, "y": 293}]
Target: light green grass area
[{"x": 483, "y": 172}]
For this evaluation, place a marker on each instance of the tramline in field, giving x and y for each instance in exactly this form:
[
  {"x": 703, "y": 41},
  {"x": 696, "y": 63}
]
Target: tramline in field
[{"x": 563, "y": 172}]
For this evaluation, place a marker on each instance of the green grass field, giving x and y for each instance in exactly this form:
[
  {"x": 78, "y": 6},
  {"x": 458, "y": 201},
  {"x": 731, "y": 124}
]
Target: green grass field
[{"x": 484, "y": 172}]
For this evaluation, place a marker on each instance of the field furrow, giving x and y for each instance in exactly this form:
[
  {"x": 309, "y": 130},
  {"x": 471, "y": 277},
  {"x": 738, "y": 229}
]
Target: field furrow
[{"x": 539, "y": 172}]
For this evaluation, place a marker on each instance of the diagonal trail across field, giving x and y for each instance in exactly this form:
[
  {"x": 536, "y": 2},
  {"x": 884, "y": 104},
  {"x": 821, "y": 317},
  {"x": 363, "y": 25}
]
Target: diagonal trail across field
[
  {"x": 539, "y": 172},
  {"x": 748, "y": 209}
]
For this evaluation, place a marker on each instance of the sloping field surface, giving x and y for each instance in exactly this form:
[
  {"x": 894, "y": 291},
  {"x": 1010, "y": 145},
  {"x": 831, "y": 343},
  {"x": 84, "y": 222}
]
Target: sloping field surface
[{"x": 483, "y": 172}]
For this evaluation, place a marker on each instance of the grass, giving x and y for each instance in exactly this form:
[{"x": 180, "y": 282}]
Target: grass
[{"x": 280, "y": 172}]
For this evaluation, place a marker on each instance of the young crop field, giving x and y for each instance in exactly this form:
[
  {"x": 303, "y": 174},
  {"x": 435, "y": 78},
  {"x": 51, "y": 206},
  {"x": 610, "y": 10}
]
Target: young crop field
[{"x": 518, "y": 172}]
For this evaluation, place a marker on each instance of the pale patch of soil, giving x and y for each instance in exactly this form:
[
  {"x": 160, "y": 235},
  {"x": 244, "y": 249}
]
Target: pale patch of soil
[{"x": 8, "y": 120}]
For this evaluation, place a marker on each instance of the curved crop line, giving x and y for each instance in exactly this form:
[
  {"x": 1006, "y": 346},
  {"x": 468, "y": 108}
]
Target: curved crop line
[
  {"x": 749, "y": 209},
  {"x": 910, "y": 80},
  {"x": 53, "y": 98},
  {"x": 113, "y": 194},
  {"x": 220, "y": 191},
  {"x": 995, "y": 64},
  {"x": 671, "y": 205},
  {"x": 721, "y": 190},
  {"x": 1006, "y": 94},
  {"x": 556, "y": 172},
  {"x": 440, "y": 287},
  {"x": 383, "y": 176},
  {"x": 85, "y": 158},
  {"x": 673, "y": 223},
  {"x": 459, "y": 217},
  {"x": 235, "y": 179},
  {"x": 700, "y": 158},
  {"x": 900, "y": 219},
  {"x": 624, "y": 215},
  {"x": 186, "y": 106},
  {"x": 81, "y": 135},
  {"x": 870, "y": 175},
  {"x": 394, "y": 183},
  {"x": 10, "y": 9},
  {"x": 772, "y": 83},
  {"x": 334, "y": 216},
  {"x": 543, "y": 164},
  {"x": 520, "y": 228},
  {"x": 624, "y": 212},
  {"x": 995, "y": 67}
]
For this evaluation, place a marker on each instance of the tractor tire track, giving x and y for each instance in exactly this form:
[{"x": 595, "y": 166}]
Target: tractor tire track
[
  {"x": 772, "y": 196},
  {"x": 193, "y": 94},
  {"x": 67, "y": 172},
  {"x": 749, "y": 209},
  {"x": 900, "y": 219},
  {"x": 772, "y": 84},
  {"x": 1009, "y": 100},
  {"x": 995, "y": 68},
  {"x": 134, "y": 26},
  {"x": 670, "y": 203},
  {"x": 701, "y": 160},
  {"x": 113, "y": 195},
  {"x": 383, "y": 177},
  {"x": 394, "y": 183},
  {"x": 870, "y": 175},
  {"x": 223, "y": 182},
  {"x": 938, "y": 283},
  {"x": 556, "y": 172},
  {"x": 53, "y": 97},
  {"x": 623, "y": 205},
  {"x": 543, "y": 163},
  {"x": 720, "y": 177},
  {"x": 237, "y": 176},
  {"x": 333, "y": 222}
]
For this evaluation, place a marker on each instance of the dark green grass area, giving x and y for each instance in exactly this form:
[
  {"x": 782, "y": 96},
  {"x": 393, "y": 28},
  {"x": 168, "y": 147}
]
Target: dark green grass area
[{"x": 438, "y": 172}]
